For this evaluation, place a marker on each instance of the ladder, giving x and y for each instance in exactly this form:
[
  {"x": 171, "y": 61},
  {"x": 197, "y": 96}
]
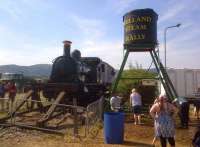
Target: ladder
[{"x": 164, "y": 78}]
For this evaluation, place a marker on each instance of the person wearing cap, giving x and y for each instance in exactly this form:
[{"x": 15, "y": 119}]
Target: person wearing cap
[
  {"x": 163, "y": 113},
  {"x": 136, "y": 103}
]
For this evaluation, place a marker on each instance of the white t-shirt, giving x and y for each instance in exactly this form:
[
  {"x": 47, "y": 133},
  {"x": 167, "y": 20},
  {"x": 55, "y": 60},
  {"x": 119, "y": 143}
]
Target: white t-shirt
[
  {"x": 115, "y": 102},
  {"x": 136, "y": 99}
]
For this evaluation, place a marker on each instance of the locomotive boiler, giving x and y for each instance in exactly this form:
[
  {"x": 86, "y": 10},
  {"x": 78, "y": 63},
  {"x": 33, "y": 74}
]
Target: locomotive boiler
[{"x": 86, "y": 78}]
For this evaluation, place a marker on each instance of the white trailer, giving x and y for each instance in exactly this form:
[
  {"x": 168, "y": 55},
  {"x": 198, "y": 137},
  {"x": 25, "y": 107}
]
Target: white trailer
[{"x": 185, "y": 81}]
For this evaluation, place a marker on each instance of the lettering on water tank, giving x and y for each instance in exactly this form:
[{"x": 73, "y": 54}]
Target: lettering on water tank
[
  {"x": 136, "y": 19},
  {"x": 129, "y": 28},
  {"x": 136, "y": 28},
  {"x": 134, "y": 37}
]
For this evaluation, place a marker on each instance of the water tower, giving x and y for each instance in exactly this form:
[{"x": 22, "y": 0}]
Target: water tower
[{"x": 140, "y": 35}]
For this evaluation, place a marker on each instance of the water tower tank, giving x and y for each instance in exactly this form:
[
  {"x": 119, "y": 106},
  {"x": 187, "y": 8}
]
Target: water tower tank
[{"x": 140, "y": 30}]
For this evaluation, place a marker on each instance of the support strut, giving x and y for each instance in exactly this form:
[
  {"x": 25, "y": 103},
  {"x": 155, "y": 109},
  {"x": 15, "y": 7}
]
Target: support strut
[{"x": 52, "y": 108}]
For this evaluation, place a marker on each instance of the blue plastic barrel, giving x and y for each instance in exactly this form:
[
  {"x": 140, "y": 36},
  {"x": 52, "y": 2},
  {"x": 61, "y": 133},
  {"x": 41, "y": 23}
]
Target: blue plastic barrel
[{"x": 114, "y": 127}]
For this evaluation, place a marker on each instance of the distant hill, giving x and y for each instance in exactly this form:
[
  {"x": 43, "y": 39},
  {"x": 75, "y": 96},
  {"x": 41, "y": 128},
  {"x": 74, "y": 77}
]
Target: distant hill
[{"x": 39, "y": 70}]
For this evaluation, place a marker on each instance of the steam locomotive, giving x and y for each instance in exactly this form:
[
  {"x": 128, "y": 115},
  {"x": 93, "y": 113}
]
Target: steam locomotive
[{"x": 85, "y": 78}]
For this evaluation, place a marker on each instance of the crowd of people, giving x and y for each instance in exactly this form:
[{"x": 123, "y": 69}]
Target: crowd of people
[
  {"x": 8, "y": 91},
  {"x": 163, "y": 111}
]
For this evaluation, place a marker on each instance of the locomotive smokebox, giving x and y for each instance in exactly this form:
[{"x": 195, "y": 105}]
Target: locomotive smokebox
[
  {"x": 67, "y": 47},
  {"x": 140, "y": 30}
]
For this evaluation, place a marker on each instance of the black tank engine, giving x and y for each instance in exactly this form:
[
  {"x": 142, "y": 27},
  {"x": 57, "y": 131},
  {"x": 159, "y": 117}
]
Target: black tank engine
[{"x": 86, "y": 78}]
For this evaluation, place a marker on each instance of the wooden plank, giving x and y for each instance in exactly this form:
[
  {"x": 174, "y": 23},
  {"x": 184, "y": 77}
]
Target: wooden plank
[{"x": 52, "y": 108}]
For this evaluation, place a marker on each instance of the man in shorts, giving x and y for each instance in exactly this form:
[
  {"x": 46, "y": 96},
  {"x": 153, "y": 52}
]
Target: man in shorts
[{"x": 136, "y": 103}]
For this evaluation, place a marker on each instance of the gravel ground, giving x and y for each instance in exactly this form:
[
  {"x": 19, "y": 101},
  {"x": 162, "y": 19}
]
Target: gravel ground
[{"x": 140, "y": 136}]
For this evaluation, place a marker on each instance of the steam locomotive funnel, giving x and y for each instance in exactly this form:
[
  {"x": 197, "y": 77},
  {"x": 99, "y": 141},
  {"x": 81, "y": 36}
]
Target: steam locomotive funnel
[{"x": 67, "y": 47}]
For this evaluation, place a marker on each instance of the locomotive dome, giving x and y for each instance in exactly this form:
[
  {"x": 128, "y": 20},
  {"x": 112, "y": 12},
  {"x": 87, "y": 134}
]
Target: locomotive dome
[{"x": 76, "y": 54}]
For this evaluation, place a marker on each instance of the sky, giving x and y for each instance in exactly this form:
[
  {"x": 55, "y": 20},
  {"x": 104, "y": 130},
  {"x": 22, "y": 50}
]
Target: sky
[{"x": 32, "y": 31}]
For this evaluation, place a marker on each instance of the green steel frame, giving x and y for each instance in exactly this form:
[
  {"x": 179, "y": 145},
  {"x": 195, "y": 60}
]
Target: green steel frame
[
  {"x": 163, "y": 76},
  {"x": 120, "y": 71}
]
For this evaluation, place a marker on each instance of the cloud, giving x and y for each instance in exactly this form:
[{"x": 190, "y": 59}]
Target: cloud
[
  {"x": 7, "y": 37},
  {"x": 29, "y": 54},
  {"x": 109, "y": 51},
  {"x": 11, "y": 8},
  {"x": 185, "y": 58},
  {"x": 182, "y": 50},
  {"x": 190, "y": 37},
  {"x": 179, "y": 11},
  {"x": 182, "y": 38},
  {"x": 15, "y": 48},
  {"x": 112, "y": 52},
  {"x": 91, "y": 28},
  {"x": 20, "y": 9},
  {"x": 171, "y": 12},
  {"x": 93, "y": 42},
  {"x": 120, "y": 6}
]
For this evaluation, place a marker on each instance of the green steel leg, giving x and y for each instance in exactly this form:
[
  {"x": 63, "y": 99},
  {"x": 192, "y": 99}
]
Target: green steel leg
[
  {"x": 168, "y": 88},
  {"x": 120, "y": 71},
  {"x": 175, "y": 95},
  {"x": 161, "y": 77},
  {"x": 162, "y": 73},
  {"x": 170, "y": 82},
  {"x": 157, "y": 68}
]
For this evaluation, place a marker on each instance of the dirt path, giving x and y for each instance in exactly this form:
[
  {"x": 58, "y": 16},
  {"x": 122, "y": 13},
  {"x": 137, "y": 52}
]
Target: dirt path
[{"x": 140, "y": 136}]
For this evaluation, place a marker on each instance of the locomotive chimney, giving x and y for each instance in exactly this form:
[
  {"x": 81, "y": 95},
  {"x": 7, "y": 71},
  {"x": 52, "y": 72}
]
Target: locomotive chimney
[{"x": 67, "y": 47}]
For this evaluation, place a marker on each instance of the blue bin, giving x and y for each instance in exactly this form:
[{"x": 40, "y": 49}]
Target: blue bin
[{"x": 114, "y": 127}]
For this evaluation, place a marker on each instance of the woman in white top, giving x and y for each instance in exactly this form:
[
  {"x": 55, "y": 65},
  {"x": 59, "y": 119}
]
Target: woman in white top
[
  {"x": 136, "y": 103},
  {"x": 163, "y": 113}
]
